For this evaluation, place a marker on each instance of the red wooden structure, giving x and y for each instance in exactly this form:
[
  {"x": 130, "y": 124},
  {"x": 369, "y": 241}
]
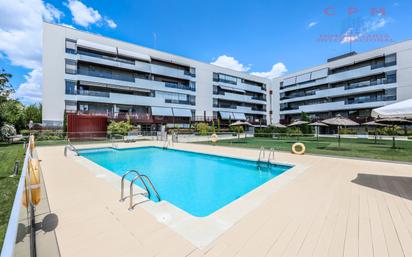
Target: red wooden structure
[{"x": 81, "y": 126}]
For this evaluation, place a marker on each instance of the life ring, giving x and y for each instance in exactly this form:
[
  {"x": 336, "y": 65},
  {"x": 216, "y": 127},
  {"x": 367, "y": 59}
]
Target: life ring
[
  {"x": 34, "y": 176},
  {"x": 302, "y": 148},
  {"x": 213, "y": 137}
]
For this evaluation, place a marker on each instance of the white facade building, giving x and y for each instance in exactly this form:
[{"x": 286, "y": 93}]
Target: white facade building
[
  {"x": 92, "y": 74},
  {"x": 351, "y": 85}
]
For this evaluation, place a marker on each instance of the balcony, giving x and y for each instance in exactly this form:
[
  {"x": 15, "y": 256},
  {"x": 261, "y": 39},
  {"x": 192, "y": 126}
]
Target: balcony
[
  {"x": 88, "y": 93},
  {"x": 333, "y": 106},
  {"x": 170, "y": 72},
  {"x": 344, "y": 90},
  {"x": 190, "y": 87},
  {"x": 132, "y": 65},
  {"x": 342, "y": 76},
  {"x": 137, "y": 83},
  {"x": 239, "y": 98}
]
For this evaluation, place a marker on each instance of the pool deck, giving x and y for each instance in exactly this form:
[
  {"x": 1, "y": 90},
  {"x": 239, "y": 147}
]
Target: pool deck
[{"x": 336, "y": 207}]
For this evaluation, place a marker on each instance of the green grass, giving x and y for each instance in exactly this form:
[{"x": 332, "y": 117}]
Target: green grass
[
  {"x": 8, "y": 185},
  {"x": 360, "y": 148}
]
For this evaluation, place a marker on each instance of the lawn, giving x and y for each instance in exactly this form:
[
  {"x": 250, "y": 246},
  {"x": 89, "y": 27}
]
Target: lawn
[
  {"x": 360, "y": 148},
  {"x": 8, "y": 185}
]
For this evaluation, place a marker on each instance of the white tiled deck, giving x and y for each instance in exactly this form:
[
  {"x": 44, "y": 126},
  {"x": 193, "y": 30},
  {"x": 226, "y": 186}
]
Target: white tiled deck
[{"x": 336, "y": 207}]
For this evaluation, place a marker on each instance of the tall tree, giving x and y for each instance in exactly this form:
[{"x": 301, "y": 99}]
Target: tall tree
[
  {"x": 33, "y": 113},
  {"x": 5, "y": 87}
]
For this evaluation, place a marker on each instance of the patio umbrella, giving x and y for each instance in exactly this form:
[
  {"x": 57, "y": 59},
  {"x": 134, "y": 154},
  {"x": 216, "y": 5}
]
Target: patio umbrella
[
  {"x": 297, "y": 123},
  {"x": 393, "y": 122},
  {"x": 339, "y": 121},
  {"x": 278, "y": 125},
  {"x": 241, "y": 123},
  {"x": 374, "y": 124},
  {"x": 317, "y": 124}
]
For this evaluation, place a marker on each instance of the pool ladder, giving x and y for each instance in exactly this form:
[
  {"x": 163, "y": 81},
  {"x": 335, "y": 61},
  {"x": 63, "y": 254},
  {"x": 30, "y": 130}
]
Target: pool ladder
[
  {"x": 142, "y": 179},
  {"x": 271, "y": 156},
  {"x": 167, "y": 143},
  {"x": 70, "y": 147}
]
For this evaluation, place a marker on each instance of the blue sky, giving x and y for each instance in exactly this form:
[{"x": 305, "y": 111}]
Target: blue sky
[{"x": 252, "y": 36}]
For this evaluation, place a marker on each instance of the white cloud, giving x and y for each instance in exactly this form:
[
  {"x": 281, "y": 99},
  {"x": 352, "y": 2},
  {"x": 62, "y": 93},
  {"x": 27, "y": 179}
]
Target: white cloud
[
  {"x": 21, "y": 40},
  {"x": 225, "y": 61},
  {"x": 230, "y": 62},
  {"x": 86, "y": 16},
  {"x": 111, "y": 23},
  {"x": 312, "y": 24},
  {"x": 277, "y": 70},
  {"x": 30, "y": 91},
  {"x": 83, "y": 15}
]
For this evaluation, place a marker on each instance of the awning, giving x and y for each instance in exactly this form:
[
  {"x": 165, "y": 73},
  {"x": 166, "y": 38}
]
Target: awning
[
  {"x": 232, "y": 89},
  {"x": 239, "y": 116},
  {"x": 161, "y": 111},
  {"x": 96, "y": 46},
  {"x": 182, "y": 112},
  {"x": 138, "y": 56},
  {"x": 227, "y": 116}
]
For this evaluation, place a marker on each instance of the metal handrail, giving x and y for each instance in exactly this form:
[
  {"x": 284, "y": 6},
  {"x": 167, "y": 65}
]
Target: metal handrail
[
  {"x": 71, "y": 147},
  {"x": 122, "y": 198},
  {"x": 138, "y": 176},
  {"x": 142, "y": 179},
  {"x": 261, "y": 155},
  {"x": 271, "y": 155},
  {"x": 151, "y": 185},
  {"x": 167, "y": 144}
]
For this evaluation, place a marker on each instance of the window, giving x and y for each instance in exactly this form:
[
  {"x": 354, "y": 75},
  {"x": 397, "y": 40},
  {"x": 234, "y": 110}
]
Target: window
[
  {"x": 224, "y": 78},
  {"x": 390, "y": 60},
  {"x": 70, "y": 87},
  {"x": 70, "y": 46},
  {"x": 390, "y": 77},
  {"x": 390, "y": 94},
  {"x": 71, "y": 66},
  {"x": 84, "y": 107}
]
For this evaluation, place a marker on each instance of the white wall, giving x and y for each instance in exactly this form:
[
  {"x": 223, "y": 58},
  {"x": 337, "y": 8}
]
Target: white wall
[{"x": 53, "y": 73}]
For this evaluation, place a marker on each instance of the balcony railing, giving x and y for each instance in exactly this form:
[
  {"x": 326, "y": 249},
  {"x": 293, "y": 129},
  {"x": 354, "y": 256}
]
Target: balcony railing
[
  {"x": 371, "y": 99},
  {"x": 191, "y": 87},
  {"x": 88, "y": 93},
  {"x": 188, "y": 73}
]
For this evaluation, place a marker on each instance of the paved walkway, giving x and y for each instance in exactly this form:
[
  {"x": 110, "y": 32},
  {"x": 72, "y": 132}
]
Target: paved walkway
[{"x": 337, "y": 207}]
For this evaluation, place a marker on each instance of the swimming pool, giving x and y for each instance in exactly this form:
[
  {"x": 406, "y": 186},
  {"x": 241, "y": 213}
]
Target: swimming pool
[{"x": 199, "y": 184}]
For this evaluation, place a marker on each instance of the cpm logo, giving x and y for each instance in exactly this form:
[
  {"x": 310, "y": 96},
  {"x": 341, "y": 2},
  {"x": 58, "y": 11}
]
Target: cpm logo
[{"x": 374, "y": 11}]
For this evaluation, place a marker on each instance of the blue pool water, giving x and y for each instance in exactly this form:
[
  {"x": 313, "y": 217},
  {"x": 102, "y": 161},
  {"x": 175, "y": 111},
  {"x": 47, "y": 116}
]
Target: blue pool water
[{"x": 199, "y": 184}]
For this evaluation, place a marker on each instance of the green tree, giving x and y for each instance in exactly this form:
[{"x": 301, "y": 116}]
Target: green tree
[
  {"x": 12, "y": 112},
  {"x": 121, "y": 127},
  {"x": 202, "y": 128},
  {"x": 5, "y": 87},
  {"x": 33, "y": 112}
]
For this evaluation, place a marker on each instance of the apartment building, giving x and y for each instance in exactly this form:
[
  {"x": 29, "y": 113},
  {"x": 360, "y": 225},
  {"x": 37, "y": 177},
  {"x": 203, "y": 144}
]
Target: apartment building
[
  {"x": 351, "y": 85},
  {"x": 85, "y": 73}
]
